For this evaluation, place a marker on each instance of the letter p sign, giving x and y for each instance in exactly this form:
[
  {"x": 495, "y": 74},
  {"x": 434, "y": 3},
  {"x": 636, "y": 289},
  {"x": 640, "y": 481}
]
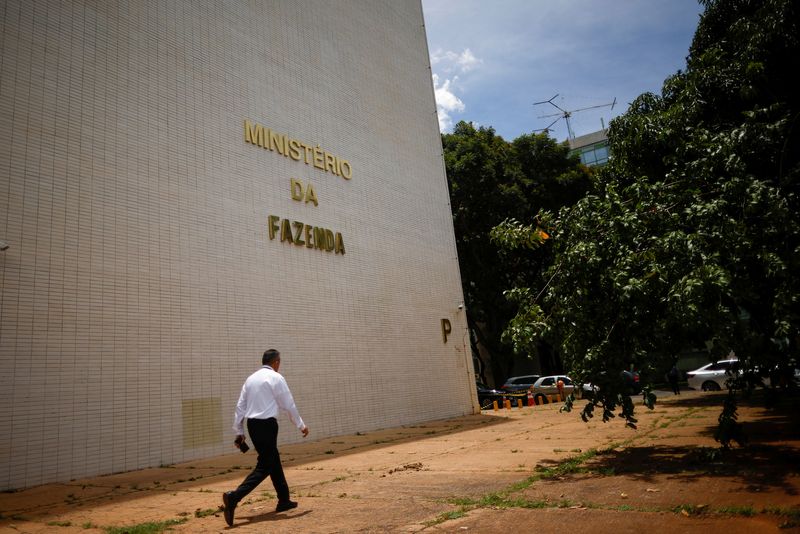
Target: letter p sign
[{"x": 446, "y": 329}]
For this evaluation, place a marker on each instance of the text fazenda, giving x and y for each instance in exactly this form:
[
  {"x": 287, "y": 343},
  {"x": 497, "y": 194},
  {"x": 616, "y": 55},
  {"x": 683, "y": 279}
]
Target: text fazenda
[{"x": 300, "y": 234}]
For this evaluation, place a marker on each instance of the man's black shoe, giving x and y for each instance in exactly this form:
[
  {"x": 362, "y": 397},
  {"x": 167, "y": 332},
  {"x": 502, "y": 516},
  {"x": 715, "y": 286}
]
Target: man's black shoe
[
  {"x": 230, "y": 506},
  {"x": 285, "y": 505}
]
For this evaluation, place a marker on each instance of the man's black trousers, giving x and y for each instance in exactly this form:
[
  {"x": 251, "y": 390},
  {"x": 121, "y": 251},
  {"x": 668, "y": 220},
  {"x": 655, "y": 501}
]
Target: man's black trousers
[{"x": 264, "y": 433}]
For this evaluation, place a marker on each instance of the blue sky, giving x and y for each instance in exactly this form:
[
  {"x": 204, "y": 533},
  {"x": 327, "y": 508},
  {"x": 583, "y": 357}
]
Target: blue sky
[{"x": 492, "y": 59}]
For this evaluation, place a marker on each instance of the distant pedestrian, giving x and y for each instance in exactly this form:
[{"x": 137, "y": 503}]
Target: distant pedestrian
[
  {"x": 673, "y": 375},
  {"x": 264, "y": 394}
]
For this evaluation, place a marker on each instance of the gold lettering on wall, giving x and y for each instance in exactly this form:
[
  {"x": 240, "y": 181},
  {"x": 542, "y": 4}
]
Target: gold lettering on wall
[
  {"x": 313, "y": 155},
  {"x": 446, "y": 329},
  {"x": 299, "y": 233},
  {"x": 302, "y": 192},
  {"x": 296, "y": 232}
]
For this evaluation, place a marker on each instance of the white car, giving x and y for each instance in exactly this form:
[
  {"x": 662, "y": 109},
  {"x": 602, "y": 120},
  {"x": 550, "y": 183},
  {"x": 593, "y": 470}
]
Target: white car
[{"x": 712, "y": 376}]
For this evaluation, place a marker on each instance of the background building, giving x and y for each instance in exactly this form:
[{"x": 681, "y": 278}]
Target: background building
[
  {"x": 592, "y": 148},
  {"x": 149, "y": 263}
]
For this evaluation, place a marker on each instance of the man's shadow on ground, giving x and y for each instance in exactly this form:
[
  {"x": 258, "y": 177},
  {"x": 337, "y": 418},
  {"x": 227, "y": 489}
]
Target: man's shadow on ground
[{"x": 268, "y": 516}]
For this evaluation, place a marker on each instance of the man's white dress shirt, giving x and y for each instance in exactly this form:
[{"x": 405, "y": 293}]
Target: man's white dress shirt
[{"x": 264, "y": 394}]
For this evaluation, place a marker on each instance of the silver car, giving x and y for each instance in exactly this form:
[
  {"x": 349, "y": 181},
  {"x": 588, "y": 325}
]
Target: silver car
[
  {"x": 712, "y": 376},
  {"x": 548, "y": 385}
]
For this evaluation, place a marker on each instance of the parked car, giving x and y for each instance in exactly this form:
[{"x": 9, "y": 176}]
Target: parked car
[
  {"x": 712, "y": 376},
  {"x": 548, "y": 385},
  {"x": 487, "y": 395},
  {"x": 631, "y": 380},
  {"x": 519, "y": 383}
]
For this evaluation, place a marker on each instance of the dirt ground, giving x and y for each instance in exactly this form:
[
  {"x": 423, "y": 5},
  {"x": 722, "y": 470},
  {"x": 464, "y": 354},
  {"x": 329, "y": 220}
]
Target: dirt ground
[{"x": 523, "y": 470}]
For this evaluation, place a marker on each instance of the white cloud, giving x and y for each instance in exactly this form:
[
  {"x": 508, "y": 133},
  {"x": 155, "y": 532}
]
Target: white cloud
[
  {"x": 446, "y": 101},
  {"x": 450, "y": 64},
  {"x": 467, "y": 60},
  {"x": 450, "y": 61}
]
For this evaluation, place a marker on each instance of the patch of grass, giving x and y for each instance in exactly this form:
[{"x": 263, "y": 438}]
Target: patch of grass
[
  {"x": 329, "y": 451},
  {"x": 531, "y": 505},
  {"x": 709, "y": 454},
  {"x": 571, "y": 465},
  {"x": 447, "y": 516},
  {"x": 574, "y": 464},
  {"x": 690, "y": 509},
  {"x": 88, "y": 525},
  {"x": 778, "y": 510},
  {"x": 462, "y": 501},
  {"x": 747, "y": 511},
  {"x": 59, "y": 523},
  {"x": 792, "y": 515},
  {"x": 152, "y": 527},
  {"x": 207, "y": 512},
  {"x": 502, "y": 500},
  {"x": 606, "y": 471}
]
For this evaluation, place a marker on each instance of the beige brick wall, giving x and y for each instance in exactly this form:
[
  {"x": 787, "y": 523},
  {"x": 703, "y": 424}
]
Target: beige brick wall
[{"x": 141, "y": 286}]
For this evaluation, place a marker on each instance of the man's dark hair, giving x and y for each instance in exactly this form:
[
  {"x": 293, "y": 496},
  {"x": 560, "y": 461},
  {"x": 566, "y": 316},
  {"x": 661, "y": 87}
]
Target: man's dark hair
[{"x": 269, "y": 356}]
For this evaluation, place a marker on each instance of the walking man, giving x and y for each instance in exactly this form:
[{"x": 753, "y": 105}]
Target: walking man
[
  {"x": 264, "y": 394},
  {"x": 673, "y": 375}
]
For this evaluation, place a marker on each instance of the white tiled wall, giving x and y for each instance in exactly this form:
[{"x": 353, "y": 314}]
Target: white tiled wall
[{"x": 141, "y": 287}]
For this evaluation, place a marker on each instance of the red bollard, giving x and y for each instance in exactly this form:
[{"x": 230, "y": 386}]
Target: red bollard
[{"x": 530, "y": 398}]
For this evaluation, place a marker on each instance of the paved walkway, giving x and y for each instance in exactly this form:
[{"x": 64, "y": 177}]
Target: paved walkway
[{"x": 529, "y": 469}]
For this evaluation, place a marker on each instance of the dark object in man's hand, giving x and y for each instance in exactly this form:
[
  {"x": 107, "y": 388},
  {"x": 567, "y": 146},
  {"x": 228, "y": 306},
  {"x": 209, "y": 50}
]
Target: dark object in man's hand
[{"x": 241, "y": 444}]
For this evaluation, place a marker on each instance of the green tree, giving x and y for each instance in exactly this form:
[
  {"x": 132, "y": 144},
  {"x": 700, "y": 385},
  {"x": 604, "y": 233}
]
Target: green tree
[
  {"x": 492, "y": 180},
  {"x": 692, "y": 233}
]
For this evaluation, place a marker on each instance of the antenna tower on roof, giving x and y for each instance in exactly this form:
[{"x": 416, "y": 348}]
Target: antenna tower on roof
[{"x": 566, "y": 114}]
